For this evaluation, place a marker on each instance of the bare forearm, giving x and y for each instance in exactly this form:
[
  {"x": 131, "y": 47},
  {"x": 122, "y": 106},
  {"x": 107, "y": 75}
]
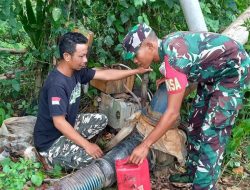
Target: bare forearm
[
  {"x": 119, "y": 74},
  {"x": 69, "y": 132},
  {"x": 114, "y": 74}
]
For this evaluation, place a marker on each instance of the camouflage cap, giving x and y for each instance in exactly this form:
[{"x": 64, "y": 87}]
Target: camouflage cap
[{"x": 134, "y": 38}]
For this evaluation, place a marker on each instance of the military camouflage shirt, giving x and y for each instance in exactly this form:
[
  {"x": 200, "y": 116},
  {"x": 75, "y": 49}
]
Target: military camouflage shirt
[{"x": 201, "y": 57}]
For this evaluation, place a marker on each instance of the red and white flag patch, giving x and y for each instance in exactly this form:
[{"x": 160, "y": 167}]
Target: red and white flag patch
[{"x": 56, "y": 100}]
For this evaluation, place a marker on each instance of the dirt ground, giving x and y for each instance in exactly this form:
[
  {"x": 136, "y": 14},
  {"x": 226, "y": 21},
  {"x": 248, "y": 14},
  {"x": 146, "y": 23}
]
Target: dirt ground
[
  {"x": 225, "y": 183},
  {"x": 232, "y": 179},
  {"x": 229, "y": 180}
]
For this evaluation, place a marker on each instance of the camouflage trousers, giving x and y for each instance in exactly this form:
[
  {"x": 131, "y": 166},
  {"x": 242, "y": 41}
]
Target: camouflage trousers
[
  {"x": 69, "y": 155},
  {"x": 213, "y": 114}
]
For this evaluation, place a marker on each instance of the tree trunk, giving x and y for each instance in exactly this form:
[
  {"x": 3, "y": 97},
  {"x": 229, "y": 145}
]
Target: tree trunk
[
  {"x": 13, "y": 51},
  {"x": 236, "y": 31},
  {"x": 38, "y": 82},
  {"x": 144, "y": 89}
]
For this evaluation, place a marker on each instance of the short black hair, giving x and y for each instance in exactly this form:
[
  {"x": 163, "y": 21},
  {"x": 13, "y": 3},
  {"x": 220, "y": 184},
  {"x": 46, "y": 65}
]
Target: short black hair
[{"x": 68, "y": 41}]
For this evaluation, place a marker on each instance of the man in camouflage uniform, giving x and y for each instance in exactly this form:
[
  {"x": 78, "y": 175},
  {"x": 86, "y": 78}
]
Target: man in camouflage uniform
[
  {"x": 62, "y": 136},
  {"x": 220, "y": 66}
]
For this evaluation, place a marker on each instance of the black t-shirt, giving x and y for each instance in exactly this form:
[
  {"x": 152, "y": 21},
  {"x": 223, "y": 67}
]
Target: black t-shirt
[{"x": 60, "y": 95}]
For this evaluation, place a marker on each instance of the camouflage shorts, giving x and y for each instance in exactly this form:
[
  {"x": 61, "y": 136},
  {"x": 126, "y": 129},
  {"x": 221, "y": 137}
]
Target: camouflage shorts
[{"x": 69, "y": 155}]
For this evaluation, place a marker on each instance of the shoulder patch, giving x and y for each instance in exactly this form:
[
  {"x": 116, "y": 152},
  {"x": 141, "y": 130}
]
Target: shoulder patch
[
  {"x": 55, "y": 100},
  {"x": 175, "y": 80}
]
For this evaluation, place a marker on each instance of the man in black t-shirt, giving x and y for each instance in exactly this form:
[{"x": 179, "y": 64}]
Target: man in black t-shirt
[{"x": 60, "y": 135}]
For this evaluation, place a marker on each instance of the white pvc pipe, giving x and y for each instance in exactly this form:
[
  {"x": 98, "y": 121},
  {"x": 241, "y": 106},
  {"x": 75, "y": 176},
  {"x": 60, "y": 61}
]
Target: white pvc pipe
[{"x": 193, "y": 15}]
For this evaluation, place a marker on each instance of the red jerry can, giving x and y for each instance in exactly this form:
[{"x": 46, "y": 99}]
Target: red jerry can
[{"x": 132, "y": 176}]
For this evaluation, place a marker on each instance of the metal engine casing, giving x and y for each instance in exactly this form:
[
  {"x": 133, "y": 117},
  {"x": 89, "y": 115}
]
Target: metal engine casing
[{"x": 117, "y": 110}]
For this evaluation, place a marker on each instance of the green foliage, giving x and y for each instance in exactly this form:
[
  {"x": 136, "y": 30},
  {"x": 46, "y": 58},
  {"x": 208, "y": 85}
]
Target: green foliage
[
  {"x": 28, "y": 108},
  {"x": 110, "y": 21},
  {"x": 239, "y": 157},
  {"x": 6, "y": 111},
  {"x": 153, "y": 76},
  {"x": 12, "y": 87},
  {"x": 12, "y": 27},
  {"x": 15, "y": 175},
  {"x": 92, "y": 92},
  {"x": 241, "y": 130},
  {"x": 245, "y": 111},
  {"x": 2, "y": 115},
  {"x": 36, "y": 20},
  {"x": 33, "y": 21},
  {"x": 248, "y": 152},
  {"x": 234, "y": 160},
  {"x": 218, "y": 14},
  {"x": 56, "y": 172},
  {"x": 247, "y": 25},
  {"x": 239, "y": 133}
]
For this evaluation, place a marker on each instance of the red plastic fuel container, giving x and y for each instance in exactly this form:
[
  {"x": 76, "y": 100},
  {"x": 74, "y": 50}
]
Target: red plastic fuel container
[{"x": 132, "y": 176}]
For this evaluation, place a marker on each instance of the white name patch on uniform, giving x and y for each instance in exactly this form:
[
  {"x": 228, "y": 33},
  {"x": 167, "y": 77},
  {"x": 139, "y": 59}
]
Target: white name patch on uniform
[{"x": 173, "y": 84}]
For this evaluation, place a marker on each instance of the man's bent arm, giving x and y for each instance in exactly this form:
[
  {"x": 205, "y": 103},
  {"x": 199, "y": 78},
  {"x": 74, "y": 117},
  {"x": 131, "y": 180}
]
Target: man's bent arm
[
  {"x": 166, "y": 122},
  {"x": 115, "y": 74},
  {"x": 69, "y": 132}
]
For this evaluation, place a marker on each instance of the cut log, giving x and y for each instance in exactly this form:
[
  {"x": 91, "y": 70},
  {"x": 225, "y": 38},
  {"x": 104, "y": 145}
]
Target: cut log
[
  {"x": 7, "y": 76},
  {"x": 13, "y": 51},
  {"x": 11, "y": 74},
  {"x": 236, "y": 31}
]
